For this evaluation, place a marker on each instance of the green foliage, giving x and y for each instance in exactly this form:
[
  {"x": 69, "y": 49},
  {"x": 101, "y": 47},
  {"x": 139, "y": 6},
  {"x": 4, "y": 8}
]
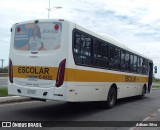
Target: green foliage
[
  {"x": 156, "y": 80},
  {"x": 4, "y": 70},
  {"x": 155, "y": 86},
  {"x": 3, "y": 92}
]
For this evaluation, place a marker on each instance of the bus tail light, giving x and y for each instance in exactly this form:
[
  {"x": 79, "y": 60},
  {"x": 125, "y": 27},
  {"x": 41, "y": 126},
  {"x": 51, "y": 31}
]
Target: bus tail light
[
  {"x": 18, "y": 29},
  {"x": 56, "y": 27},
  {"x": 10, "y": 71},
  {"x": 60, "y": 74}
]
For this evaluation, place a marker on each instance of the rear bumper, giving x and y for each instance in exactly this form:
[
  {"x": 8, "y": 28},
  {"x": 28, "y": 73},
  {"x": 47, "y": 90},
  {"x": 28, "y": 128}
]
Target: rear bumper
[{"x": 49, "y": 93}]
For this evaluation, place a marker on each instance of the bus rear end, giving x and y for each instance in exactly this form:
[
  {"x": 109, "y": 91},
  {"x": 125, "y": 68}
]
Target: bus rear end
[{"x": 38, "y": 58}]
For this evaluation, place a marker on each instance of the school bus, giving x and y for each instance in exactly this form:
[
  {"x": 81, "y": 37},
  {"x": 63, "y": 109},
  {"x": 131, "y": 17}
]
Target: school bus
[{"x": 57, "y": 59}]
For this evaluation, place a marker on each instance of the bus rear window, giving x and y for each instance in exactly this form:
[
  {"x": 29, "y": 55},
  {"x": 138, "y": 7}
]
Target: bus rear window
[{"x": 38, "y": 37}]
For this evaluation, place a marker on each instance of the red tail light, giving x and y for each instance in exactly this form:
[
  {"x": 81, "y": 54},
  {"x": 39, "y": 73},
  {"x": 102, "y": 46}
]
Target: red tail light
[
  {"x": 60, "y": 74},
  {"x": 10, "y": 71},
  {"x": 56, "y": 27},
  {"x": 18, "y": 29}
]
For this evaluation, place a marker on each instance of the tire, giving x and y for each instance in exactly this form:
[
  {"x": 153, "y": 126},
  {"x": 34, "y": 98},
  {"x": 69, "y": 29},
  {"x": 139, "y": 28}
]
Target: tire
[
  {"x": 112, "y": 97},
  {"x": 143, "y": 93}
]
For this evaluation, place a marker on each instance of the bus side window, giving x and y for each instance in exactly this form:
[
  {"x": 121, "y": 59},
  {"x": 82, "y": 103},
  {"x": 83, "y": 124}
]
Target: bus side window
[
  {"x": 87, "y": 47},
  {"x": 97, "y": 53},
  {"x": 77, "y": 43},
  {"x": 135, "y": 64},
  {"x": 131, "y": 63},
  {"x": 105, "y": 54},
  {"x": 145, "y": 67},
  {"x": 117, "y": 59},
  {"x": 111, "y": 58},
  {"x": 140, "y": 65},
  {"x": 101, "y": 51},
  {"x": 77, "y": 48},
  {"x": 82, "y": 48},
  {"x": 123, "y": 66},
  {"x": 86, "y": 50},
  {"x": 114, "y": 62},
  {"x": 127, "y": 61}
]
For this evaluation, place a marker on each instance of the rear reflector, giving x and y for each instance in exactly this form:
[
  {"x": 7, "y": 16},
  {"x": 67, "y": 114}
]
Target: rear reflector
[
  {"x": 10, "y": 71},
  {"x": 58, "y": 94},
  {"x": 60, "y": 74}
]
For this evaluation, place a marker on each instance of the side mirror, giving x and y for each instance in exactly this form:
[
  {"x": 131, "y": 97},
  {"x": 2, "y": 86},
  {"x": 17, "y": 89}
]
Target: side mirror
[{"x": 155, "y": 69}]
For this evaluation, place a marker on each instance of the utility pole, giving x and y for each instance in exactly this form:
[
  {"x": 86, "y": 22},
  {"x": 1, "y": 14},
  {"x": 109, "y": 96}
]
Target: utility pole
[
  {"x": 49, "y": 9},
  {"x": 53, "y": 8},
  {"x": 2, "y": 60}
]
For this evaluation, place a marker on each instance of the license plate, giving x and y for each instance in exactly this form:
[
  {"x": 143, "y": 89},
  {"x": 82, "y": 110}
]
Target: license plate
[
  {"x": 32, "y": 78},
  {"x": 31, "y": 91}
]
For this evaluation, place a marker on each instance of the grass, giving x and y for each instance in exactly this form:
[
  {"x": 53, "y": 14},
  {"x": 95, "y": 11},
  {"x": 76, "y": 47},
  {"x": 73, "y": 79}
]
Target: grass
[
  {"x": 155, "y": 86},
  {"x": 3, "y": 74},
  {"x": 156, "y": 80},
  {"x": 3, "y": 92}
]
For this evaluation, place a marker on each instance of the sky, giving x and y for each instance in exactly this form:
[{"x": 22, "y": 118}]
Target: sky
[{"x": 134, "y": 23}]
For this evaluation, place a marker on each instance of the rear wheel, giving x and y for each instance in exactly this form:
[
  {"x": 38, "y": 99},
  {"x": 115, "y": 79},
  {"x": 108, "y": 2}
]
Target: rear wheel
[
  {"x": 143, "y": 93},
  {"x": 112, "y": 96}
]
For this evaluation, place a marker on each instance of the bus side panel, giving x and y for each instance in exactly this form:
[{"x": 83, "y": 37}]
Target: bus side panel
[
  {"x": 129, "y": 89},
  {"x": 87, "y": 91}
]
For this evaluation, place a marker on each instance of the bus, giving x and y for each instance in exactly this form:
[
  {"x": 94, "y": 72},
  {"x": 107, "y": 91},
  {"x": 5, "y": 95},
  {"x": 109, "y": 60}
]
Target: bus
[{"x": 57, "y": 59}]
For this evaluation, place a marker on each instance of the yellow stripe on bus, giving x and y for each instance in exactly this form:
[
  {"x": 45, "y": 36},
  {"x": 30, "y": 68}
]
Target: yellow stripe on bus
[
  {"x": 74, "y": 75},
  {"x": 94, "y": 76},
  {"x": 48, "y": 73}
]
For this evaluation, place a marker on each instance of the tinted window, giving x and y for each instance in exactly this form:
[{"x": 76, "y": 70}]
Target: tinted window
[
  {"x": 135, "y": 64},
  {"x": 131, "y": 64},
  {"x": 127, "y": 61},
  {"x": 123, "y": 53},
  {"x": 105, "y": 51},
  {"x": 117, "y": 58},
  {"x": 82, "y": 48},
  {"x": 114, "y": 62},
  {"x": 91, "y": 51},
  {"x": 101, "y": 51},
  {"x": 140, "y": 65},
  {"x": 145, "y": 66}
]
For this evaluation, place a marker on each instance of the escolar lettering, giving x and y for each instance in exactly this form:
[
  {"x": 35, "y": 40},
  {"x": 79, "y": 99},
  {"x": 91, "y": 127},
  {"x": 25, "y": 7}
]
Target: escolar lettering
[
  {"x": 33, "y": 70},
  {"x": 130, "y": 78}
]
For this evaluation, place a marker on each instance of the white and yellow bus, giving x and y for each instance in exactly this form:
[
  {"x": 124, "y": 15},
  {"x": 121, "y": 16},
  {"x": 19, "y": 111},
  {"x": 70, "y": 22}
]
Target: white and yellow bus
[{"x": 60, "y": 60}]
